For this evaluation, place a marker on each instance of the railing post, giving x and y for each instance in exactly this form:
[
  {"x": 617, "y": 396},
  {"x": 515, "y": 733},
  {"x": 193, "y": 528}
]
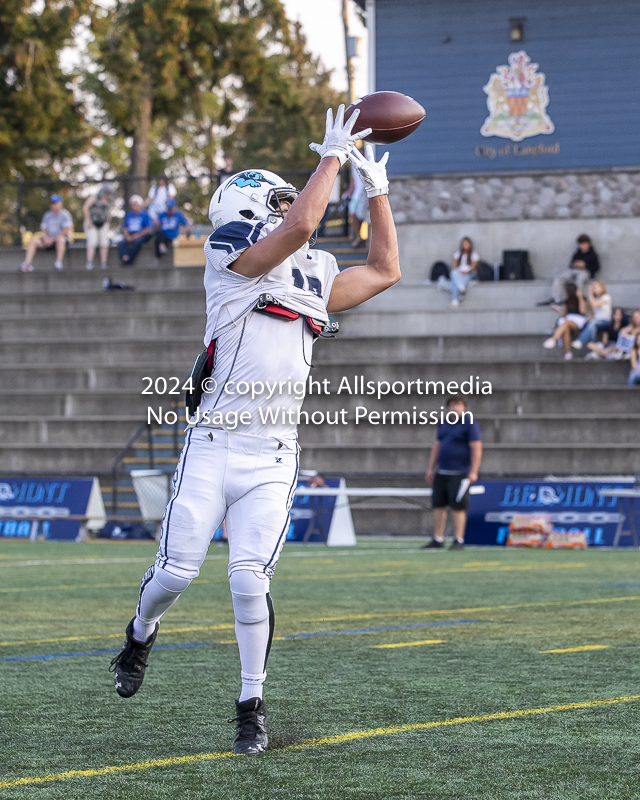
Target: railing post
[
  {"x": 19, "y": 213},
  {"x": 150, "y": 440},
  {"x": 114, "y": 490}
]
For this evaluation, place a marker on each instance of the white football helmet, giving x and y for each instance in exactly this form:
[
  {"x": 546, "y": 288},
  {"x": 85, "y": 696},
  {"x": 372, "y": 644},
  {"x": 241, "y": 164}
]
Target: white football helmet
[{"x": 254, "y": 194}]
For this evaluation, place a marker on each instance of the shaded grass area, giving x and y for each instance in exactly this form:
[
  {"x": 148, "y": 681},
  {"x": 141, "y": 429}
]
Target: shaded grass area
[{"x": 63, "y": 714}]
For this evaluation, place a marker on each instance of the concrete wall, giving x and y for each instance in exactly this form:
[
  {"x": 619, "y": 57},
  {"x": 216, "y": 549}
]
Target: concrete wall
[
  {"x": 549, "y": 242},
  {"x": 535, "y": 211}
]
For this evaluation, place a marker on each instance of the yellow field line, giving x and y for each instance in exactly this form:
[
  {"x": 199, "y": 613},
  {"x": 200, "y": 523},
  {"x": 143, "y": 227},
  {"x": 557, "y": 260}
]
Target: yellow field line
[
  {"x": 578, "y": 649},
  {"x": 337, "y": 576},
  {"x": 115, "y": 635},
  {"x": 382, "y": 614},
  {"x": 408, "y": 644},
  {"x": 385, "y": 614},
  {"x": 66, "y": 587},
  {"x": 429, "y": 573},
  {"x": 326, "y": 740}
]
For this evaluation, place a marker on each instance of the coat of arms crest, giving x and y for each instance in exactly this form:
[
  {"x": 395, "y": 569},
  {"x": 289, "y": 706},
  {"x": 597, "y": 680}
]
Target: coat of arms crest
[{"x": 517, "y": 98}]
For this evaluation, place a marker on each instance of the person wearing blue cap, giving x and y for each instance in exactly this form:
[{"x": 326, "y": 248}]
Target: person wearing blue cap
[
  {"x": 55, "y": 233},
  {"x": 168, "y": 225},
  {"x": 137, "y": 228}
]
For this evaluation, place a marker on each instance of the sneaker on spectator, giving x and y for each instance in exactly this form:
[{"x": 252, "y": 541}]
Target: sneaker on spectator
[
  {"x": 434, "y": 544},
  {"x": 577, "y": 345},
  {"x": 25, "y": 267},
  {"x": 162, "y": 247},
  {"x": 104, "y": 265},
  {"x": 454, "y": 303},
  {"x": 89, "y": 265},
  {"x": 592, "y": 356},
  {"x": 568, "y": 356},
  {"x": 549, "y": 343},
  {"x": 57, "y": 265}
]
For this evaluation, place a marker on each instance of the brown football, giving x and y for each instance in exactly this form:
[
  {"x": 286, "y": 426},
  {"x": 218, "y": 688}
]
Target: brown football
[{"x": 391, "y": 115}]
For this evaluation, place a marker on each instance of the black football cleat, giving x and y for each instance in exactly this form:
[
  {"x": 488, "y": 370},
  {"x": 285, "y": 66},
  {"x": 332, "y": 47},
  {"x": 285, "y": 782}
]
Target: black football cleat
[
  {"x": 456, "y": 545},
  {"x": 130, "y": 663},
  {"x": 251, "y": 727}
]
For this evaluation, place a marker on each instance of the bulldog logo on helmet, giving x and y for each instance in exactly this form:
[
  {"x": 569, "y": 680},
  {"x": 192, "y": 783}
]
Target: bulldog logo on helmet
[{"x": 251, "y": 178}]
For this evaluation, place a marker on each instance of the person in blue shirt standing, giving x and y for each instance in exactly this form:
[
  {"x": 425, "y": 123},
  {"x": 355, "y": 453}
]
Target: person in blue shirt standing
[
  {"x": 168, "y": 225},
  {"x": 453, "y": 466},
  {"x": 136, "y": 228}
]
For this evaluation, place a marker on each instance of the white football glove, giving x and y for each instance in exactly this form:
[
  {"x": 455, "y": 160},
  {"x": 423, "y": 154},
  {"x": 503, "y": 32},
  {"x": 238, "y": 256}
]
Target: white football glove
[
  {"x": 372, "y": 172},
  {"x": 338, "y": 139}
]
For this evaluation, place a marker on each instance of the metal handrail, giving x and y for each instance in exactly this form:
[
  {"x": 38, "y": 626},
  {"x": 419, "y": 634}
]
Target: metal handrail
[{"x": 122, "y": 455}]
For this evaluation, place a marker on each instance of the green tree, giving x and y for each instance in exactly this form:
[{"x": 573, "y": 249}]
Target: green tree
[
  {"x": 287, "y": 106},
  {"x": 182, "y": 79},
  {"x": 159, "y": 59},
  {"x": 41, "y": 122}
]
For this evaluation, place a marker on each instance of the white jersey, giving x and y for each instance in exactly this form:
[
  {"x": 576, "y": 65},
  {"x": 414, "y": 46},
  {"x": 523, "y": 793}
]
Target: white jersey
[{"x": 261, "y": 362}]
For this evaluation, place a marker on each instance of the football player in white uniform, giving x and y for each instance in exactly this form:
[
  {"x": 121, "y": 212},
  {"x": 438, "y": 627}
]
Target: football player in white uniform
[{"x": 268, "y": 296}]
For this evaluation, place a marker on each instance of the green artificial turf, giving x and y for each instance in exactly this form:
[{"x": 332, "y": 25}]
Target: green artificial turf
[{"x": 62, "y": 714}]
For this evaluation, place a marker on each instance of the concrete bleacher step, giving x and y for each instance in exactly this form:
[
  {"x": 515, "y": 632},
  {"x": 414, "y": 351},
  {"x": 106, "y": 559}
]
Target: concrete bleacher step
[
  {"x": 149, "y": 278},
  {"x": 116, "y": 350},
  {"x": 504, "y": 458},
  {"x": 98, "y": 302},
  {"x": 523, "y": 372},
  {"x": 59, "y": 430},
  {"x": 112, "y": 324},
  {"x": 75, "y": 457},
  {"x": 498, "y": 428},
  {"x": 72, "y": 359},
  {"x": 361, "y": 348}
]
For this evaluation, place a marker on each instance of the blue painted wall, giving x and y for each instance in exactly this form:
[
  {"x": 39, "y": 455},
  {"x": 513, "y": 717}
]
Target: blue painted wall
[{"x": 589, "y": 51}]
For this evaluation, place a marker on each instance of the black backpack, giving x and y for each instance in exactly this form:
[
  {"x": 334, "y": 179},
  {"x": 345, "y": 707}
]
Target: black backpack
[
  {"x": 484, "y": 272},
  {"x": 515, "y": 266},
  {"x": 98, "y": 213},
  {"x": 439, "y": 270}
]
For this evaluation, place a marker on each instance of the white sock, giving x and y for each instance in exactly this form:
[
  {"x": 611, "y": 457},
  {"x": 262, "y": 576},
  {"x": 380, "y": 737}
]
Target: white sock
[
  {"x": 251, "y": 685},
  {"x": 253, "y": 640},
  {"x": 159, "y": 590},
  {"x": 254, "y": 628}
]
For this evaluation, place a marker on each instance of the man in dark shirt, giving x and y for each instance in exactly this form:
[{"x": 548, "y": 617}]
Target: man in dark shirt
[
  {"x": 453, "y": 467},
  {"x": 582, "y": 268}
]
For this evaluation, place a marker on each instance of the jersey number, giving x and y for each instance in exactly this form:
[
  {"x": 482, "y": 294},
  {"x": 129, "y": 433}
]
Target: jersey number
[{"x": 313, "y": 284}]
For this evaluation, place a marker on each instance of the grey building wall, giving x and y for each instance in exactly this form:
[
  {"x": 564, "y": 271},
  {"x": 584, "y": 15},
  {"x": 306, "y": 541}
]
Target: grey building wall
[
  {"x": 442, "y": 53},
  {"x": 542, "y": 213}
]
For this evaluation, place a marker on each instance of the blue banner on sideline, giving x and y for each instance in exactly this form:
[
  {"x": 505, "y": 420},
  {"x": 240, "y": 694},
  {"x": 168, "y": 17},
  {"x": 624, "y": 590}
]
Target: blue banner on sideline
[{"x": 572, "y": 506}]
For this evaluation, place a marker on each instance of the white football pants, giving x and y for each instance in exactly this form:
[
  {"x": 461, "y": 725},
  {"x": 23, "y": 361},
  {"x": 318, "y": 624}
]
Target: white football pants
[{"x": 249, "y": 481}]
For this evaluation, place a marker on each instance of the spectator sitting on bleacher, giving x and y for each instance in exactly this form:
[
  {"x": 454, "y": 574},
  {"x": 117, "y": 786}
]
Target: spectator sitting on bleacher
[
  {"x": 168, "y": 225},
  {"x": 136, "y": 229},
  {"x": 634, "y": 355},
  {"x": 573, "y": 319},
  {"x": 600, "y": 307},
  {"x": 609, "y": 335},
  {"x": 583, "y": 267},
  {"x": 97, "y": 215},
  {"x": 465, "y": 261},
  {"x": 624, "y": 343},
  {"x": 55, "y": 233},
  {"x": 160, "y": 193}
]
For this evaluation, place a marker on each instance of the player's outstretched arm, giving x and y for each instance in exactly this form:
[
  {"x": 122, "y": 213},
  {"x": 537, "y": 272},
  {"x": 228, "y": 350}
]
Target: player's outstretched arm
[
  {"x": 308, "y": 208},
  {"x": 357, "y": 284}
]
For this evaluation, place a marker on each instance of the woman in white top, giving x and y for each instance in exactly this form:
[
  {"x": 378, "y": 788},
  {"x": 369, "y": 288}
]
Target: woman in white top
[
  {"x": 601, "y": 308},
  {"x": 465, "y": 261},
  {"x": 159, "y": 193}
]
